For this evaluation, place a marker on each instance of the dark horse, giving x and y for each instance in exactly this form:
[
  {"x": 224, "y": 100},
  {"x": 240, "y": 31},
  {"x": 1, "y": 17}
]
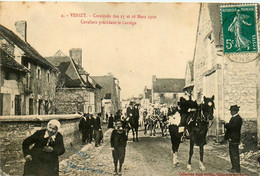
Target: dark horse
[
  {"x": 197, "y": 123},
  {"x": 133, "y": 123}
]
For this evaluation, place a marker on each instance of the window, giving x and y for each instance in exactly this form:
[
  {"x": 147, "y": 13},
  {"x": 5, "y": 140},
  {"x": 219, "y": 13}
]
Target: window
[
  {"x": 17, "y": 104},
  {"x": 48, "y": 76},
  {"x": 30, "y": 106},
  {"x": 39, "y": 106},
  {"x": 175, "y": 96},
  {"x": 38, "y": 73}
]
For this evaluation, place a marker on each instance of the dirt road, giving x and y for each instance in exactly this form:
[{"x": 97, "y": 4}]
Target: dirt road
[{"x": 151, "y": 156}]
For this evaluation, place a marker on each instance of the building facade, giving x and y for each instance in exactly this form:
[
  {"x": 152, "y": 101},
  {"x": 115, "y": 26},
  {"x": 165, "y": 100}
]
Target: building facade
[
  {"x": 110, "y": 93},
  {"x": 28, "y": 81},
  {"x": 74, "y": 92},
  {"x": 167, "y": 90},
  {"x": 227, "y": 77}
]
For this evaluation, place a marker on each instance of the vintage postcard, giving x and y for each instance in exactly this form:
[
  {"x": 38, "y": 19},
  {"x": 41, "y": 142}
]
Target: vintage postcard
[{"x": 129, "y": 88}]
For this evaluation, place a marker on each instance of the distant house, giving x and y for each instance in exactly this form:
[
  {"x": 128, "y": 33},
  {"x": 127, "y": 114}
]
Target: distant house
[
  {"x": 167, "y": 90},
  {"x": 27, "y": 81},
  {"x": 110, "y": 93},
  {"x": 74, "y": 91},
  {"x": 147, "y": 97}
]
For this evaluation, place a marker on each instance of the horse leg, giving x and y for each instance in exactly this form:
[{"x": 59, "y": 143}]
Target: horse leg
[
  {"x": 145, "y": 126},
  {"x": 133, "y": 134},
  {"x": 190, "y": 154},
  {"x": 201, "y": 165},
  {"x": 151, "y": 128},
  {"x": 154, "y": 129},
  {"x": 161, "y": 126}
]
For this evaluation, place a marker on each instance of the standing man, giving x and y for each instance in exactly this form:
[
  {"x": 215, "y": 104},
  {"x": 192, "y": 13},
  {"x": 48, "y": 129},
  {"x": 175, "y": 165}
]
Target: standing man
[
  {"x": 118, "y": 142},
  {"x": 97, "y": 130},
  {"x": 83, "y": 128},
  {"x": 233, "y": 135},
  {"x": 91, "y": 131}
]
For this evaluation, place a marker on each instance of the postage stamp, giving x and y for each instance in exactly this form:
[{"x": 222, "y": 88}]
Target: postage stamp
[{"x": 239, "y": 25}]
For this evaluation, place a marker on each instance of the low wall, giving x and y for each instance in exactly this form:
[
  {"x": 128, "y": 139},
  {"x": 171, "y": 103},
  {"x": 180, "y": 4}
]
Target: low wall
[{"x": 14, "y": 129}]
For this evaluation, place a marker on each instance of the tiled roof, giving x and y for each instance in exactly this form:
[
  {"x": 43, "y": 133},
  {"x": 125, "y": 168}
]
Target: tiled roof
[
  {"x": 78, "y": 68},
  {"x": 163, "y": 85},
  {"x": 26, "y": 47},
  {"x": 68, "y": 71},
  {"x": 8, "y": 61},
  {"x": 106, "y": 82}
]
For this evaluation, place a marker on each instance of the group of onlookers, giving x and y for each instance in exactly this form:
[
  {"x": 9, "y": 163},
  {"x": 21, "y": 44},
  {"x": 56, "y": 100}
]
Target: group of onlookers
[{"x": 90, "y": 127}]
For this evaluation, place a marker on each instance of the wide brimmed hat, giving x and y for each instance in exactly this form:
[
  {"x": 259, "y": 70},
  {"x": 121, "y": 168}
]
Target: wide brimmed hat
[{"x": 234, "y": 108}]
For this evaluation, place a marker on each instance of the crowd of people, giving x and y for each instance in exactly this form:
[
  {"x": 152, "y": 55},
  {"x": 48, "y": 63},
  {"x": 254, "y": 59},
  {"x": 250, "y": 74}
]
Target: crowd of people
[
  {"x": 90, "y": 127},
  {"x": 41, "y": 150}
]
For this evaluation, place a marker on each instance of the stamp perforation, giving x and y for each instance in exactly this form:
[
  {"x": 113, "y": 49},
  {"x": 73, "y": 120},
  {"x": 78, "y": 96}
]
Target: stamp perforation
[{"x": 248, "y": 53}]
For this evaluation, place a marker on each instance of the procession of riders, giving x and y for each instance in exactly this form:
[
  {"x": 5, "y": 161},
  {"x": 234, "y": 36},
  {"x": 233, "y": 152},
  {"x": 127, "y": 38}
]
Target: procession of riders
[{"x": 187, "y": 119}]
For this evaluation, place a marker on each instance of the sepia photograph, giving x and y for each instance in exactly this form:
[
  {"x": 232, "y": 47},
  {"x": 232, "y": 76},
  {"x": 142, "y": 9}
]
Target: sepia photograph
[{"x": 129, "y": 88}]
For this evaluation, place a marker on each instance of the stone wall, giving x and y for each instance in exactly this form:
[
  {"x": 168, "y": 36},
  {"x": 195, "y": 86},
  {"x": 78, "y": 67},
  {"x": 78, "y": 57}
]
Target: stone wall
[
  {"x": 71, "y": 100},
  {"x": 14, "y": 129},
  {"x": 240, "y": 87}
]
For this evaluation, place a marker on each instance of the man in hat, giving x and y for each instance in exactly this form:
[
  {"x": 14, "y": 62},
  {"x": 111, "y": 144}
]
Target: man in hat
[{"x": 233, "y": 133}]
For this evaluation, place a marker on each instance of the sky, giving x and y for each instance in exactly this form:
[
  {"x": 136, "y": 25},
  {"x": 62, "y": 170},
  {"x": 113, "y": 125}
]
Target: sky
[{"x": 132, "y": 51}]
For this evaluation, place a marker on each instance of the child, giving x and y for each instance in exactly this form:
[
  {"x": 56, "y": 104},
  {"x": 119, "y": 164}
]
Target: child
[{"x": 118, "y": 143}]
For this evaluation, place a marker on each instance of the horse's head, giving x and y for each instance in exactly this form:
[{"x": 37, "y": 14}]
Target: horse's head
[{"x": 208, "y": 107}]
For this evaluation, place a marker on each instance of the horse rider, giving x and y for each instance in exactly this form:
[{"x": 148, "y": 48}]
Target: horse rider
[{"x": 176, "y": 132}]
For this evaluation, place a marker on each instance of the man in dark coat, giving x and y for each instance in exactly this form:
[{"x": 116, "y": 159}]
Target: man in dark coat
[
  {"x": 110, "y": 121},
  {"x": 42, "y": 158},
  {"x": 97, "y": 130},
  {"x": 118, "y": 142},
  {"x": 233, "y": 135},
  {"x": 91, "y": 131},
  {"x": 130, "y": 110},
  {"x": 83, "y": 128}
]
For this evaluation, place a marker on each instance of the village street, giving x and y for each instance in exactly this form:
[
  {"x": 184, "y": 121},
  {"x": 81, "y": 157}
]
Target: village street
[{"x": 150, "y": 156}]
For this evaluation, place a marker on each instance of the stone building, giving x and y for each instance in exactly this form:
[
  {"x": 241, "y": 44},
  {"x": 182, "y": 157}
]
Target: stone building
[
  {"x": 74, "y": 92},
  {"x": 232, "y": 79},
  {"x": 28, "y": 81},
  {"x": 110, "y": 93},
  {"x": 167, "y": 90}
]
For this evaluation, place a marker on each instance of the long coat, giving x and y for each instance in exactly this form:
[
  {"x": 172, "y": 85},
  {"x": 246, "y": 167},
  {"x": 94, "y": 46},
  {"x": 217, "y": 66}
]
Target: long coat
[
  {"x": 42, "y": 163},
  {"x": 233, "y": 131}
]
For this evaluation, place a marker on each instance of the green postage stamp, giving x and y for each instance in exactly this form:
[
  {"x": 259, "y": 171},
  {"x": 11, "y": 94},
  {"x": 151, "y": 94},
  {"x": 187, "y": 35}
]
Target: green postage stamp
[{"x": 239, "y": 25}]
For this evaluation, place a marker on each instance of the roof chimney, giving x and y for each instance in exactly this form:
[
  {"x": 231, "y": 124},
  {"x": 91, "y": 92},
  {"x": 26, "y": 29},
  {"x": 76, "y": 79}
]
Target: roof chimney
[
  {"x": 154, "y": 78},
  {"x": 76, "y": 55},
  {"x": 21, "y": 29}
]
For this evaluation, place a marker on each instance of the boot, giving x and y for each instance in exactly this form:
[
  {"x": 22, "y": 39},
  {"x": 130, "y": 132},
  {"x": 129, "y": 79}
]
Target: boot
[{"x": 174, "y": 159}]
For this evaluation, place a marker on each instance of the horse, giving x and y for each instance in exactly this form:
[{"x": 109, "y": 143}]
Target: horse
[
  {"x": 153, "y": 120},
  {"x": 197, "y": 123},
  {"x": 146, "y": 122},
  {"x": 162, "y": 119}
]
